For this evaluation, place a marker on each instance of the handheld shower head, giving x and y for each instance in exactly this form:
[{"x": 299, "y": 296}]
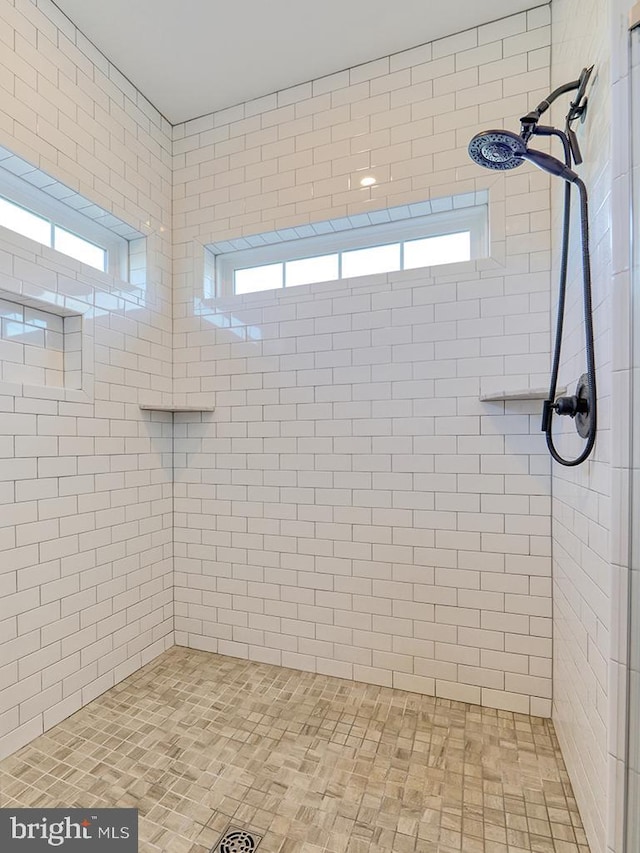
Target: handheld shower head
[
  {"x": 551, "y": 165},
  {"x": 497, "y": 149},
  {"x": 502, "y": 149}
]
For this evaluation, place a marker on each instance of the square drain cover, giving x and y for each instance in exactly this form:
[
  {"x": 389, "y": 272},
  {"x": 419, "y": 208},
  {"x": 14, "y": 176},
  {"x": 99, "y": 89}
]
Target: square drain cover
[{"x": 237, "y": 840}]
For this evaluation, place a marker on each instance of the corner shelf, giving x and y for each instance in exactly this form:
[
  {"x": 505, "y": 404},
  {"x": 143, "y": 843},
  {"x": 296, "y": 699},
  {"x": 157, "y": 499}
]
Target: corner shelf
[
  {"x": 150, "y": 407},
  {"x": 518, "y": 394}
]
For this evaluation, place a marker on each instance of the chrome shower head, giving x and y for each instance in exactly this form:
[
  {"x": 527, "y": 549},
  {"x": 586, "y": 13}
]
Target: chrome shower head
[{"x": 497, "y": 149}]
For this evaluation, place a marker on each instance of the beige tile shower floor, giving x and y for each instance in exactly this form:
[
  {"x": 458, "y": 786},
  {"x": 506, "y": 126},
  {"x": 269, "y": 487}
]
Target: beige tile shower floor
[{"x": 314, "y": 764}]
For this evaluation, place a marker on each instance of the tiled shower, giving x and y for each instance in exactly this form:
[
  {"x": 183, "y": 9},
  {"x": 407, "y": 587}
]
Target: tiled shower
[
  {"x": 372, "y": 517},
  {"x": 347, "y": 478}
]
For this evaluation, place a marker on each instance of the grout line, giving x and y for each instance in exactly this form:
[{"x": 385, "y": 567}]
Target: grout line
[{"x": 173, "y": 522}]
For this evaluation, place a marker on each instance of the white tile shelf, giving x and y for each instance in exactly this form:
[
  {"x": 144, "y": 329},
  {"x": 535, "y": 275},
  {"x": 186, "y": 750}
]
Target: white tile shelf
[
  {"x": 152, "y": 407},
  {"x": 518, "y": 394}
]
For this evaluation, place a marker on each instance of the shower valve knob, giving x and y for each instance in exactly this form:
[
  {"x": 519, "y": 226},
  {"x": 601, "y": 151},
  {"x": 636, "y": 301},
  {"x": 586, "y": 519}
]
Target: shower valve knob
[
  {"x": 578, "y": 407},
  {"x": 571, "y": 406}
]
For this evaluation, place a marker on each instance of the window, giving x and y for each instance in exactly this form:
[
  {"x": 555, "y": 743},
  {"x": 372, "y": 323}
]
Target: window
[
  {"x": 23, "y": 221},
  {"x": 339, "y": 252},
  {"x": 79, "y": 248},
  {"x": 28, "y": 210}
]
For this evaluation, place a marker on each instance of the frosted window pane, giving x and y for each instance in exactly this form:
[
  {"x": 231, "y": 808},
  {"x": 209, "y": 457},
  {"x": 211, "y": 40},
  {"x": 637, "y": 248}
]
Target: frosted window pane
[
  {"x": 258, "y": 278},
  {"x": 446, "y": 249},
  {"x": 309, "y": 270},
  {"x": 81, "y": 250},
  {"x": 370, "y": 261},
  {"x": 24, "y": 222}
]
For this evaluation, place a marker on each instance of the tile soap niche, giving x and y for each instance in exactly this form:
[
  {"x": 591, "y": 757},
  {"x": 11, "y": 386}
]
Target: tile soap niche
[{"x": 39, "y": 345}]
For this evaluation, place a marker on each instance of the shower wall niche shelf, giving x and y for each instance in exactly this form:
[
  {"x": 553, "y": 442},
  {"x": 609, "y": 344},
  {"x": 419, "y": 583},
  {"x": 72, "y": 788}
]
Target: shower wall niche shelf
[
  {"x": 41, "y": 345},
  {"x": 518, "y": 394}
]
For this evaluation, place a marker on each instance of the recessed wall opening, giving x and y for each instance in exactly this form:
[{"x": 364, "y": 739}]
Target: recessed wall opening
[
  {"x": 39, "y": 347},
  {"x": 36, "y": 206},
  {"x": 431, "y": 233},
  {"x": 23, "y": 221}
]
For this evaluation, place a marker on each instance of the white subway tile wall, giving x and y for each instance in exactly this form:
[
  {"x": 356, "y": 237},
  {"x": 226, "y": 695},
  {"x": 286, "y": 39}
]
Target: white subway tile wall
[
  {"x": 586, "y": 615},
  {"x": 624, "y": 758},
  {"x": 85, "y": 478},
  {"x": 351, "y": 508}
]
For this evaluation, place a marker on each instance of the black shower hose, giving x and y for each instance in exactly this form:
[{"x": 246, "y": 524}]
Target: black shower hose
[{"x": 588, "y": 324}]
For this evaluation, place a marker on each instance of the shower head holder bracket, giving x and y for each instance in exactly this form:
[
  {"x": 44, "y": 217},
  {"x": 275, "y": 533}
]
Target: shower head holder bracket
[{"x": 577, "y": 110}]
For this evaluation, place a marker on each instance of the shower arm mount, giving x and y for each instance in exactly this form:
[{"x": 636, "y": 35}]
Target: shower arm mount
[
  {"x": 577, "y": 109},
  {"x": 533, "y": 117}
]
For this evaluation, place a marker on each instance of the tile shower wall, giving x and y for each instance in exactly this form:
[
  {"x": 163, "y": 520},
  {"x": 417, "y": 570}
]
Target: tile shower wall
[
  {"x": 582, "y": 518},
  {"x": 633, "y": 769},
  {"x": 351, "y": 507},
  {"x": 85, "y": 522}
]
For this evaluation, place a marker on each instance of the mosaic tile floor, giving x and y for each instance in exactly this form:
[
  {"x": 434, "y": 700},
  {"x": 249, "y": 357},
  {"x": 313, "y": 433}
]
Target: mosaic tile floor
[{"x": 313, "y": 764}]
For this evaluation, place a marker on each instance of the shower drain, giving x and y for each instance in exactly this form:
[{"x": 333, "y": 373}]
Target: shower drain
[{"x": 236, "y": 840}]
